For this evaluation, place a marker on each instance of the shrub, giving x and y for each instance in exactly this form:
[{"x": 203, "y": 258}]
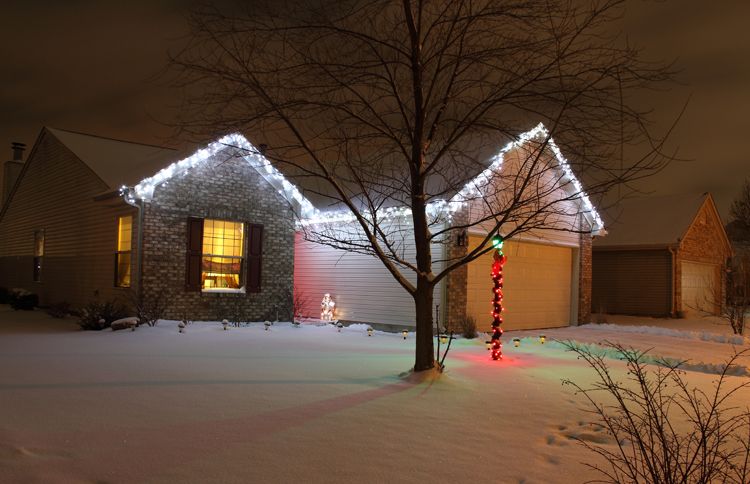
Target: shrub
[
  {"x": 149, "y": 308},
  {"x": 59, "y": 310},
  {"x": 664, "y": 430},
  {"x": 23, "y": 299},
  {"x": 468, "y": 327},
  {"x": 96, "y": 315},
  {"x": 4, "y": 295}
]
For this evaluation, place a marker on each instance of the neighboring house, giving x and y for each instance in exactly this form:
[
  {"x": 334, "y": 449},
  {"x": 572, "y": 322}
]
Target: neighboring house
[
  {"x": 217, "y": 240},
  {"x": 663, "y": 256},
  {"x": 547, "y": 276},
  {"x": 91, "y": 217}
]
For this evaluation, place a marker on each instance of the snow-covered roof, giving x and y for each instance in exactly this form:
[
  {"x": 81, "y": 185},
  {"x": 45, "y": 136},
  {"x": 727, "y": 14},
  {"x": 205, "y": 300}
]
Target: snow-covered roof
[
  {"x": 116, "y": 162},
  {"x": 309, "y": 214},
  {"x": 651, "y": 221},
  {"x": 475, "y": 187}
]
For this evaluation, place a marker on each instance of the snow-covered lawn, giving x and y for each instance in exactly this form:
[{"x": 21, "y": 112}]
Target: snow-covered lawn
[{"x": 305, "y": 404}]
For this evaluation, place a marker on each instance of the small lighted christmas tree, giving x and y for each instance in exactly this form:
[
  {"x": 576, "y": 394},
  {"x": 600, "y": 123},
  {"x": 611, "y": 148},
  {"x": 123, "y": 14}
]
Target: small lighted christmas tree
[{"x": 496, "y": 345}]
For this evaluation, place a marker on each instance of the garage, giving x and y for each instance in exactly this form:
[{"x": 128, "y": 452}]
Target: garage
[
  {"x": 699, "y": 283},
  {"x": 537, "y": 287}
]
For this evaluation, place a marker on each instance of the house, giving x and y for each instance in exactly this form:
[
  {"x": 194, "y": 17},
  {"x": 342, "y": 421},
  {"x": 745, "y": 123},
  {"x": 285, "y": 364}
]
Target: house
[
  {"x": 663, "y": 256},
  {"x": 211, "y": 233},
  {"x": 547, "y": 276},
  {"x": 215, "y": 232}
]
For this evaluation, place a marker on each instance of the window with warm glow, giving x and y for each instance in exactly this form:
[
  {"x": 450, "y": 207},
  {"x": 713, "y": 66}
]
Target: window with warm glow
[
  {"x": 223, "y": 246},
  {"x": 38, "y": 254},
  {"x": 124, "y": 251}
]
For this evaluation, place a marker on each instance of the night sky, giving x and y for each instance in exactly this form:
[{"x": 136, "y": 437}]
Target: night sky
[{"x": 94, "y": 67}]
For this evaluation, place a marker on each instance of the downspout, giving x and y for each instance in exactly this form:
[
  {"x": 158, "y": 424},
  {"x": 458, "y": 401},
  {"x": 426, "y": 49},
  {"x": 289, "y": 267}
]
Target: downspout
[
  {"x": 127, "y": 195},
  {"x": 673, "y": 286}
]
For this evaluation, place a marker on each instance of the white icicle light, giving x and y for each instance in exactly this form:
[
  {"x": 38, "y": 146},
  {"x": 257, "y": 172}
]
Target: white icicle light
[
  {"x": 309, "y": 215},
  {"x": 473, "y": 189},
  {"x": 145, "y": 189}
]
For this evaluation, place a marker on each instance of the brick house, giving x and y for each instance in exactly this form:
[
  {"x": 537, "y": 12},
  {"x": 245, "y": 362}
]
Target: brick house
[
  {"x": 218, "y": 239},
  {"x": 215, "y": 233},
  {"x": 663, "y": 256}
]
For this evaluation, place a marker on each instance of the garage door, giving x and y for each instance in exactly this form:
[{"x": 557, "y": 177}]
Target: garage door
[
  {"x": 536, "y": 289},
  {"x": 699, "y": 283}
]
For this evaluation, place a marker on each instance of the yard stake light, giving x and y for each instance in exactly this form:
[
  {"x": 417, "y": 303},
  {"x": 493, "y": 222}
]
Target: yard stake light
[
  {"x": 369, "y": 331},
  {"x": 516, "y": 342},
  {"x": 181, "y": 326},
  {"x": 405, "y": 333},
  {"x": 542, "y": 338},
  {"x": 443, "y": 338},
  {"x": 488, "y": 343},
  {"x": 267, "y": 324},
  {"x": 225, "y": 324},
  {"x": 339, "y": 326},
  {"x": 497, "y": 297}
]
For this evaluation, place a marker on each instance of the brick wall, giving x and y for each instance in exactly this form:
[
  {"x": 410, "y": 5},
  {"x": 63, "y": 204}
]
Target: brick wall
[
  {"x": 227, "y": 189},
  {"x": 703, "y": 242},
  {"x": 584, "y": 279},
  {"x": 456, "y": 281}
]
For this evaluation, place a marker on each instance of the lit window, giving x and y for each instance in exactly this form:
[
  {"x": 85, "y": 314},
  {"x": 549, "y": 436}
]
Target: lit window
[
  {"x": 38, "y": 254},
  {"x": 124, "y": 249},
  {"x": 222, "y": 260}
]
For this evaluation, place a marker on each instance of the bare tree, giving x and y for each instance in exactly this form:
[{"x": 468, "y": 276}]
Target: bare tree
[
  {"x": 740, "y": 210},
  {"x": 387, "y": 110},
  {"x": 737, "y": 303}
]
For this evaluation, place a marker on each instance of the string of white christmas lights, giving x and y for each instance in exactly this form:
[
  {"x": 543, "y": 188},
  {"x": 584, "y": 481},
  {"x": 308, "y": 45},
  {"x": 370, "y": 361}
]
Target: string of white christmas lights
[{"x": 309, "y": 215}]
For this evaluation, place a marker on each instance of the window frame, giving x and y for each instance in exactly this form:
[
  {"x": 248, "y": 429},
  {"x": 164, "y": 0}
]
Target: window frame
[
  {"x": 119, "y": 253},
  {"x": 242, "y": 278},
  {"x": 38, "y": 258}
]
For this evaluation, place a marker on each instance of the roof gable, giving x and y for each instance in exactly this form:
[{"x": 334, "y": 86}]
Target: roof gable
[
  {"x": 476, "y": 187},
  {"x": 706, "y": 218},
  {"x": 144, "y": 189}
]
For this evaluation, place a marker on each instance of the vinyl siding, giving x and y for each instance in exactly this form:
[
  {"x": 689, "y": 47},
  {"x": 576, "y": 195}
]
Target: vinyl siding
[
  {"x": 56, "y": 194},
  {"x": 360, "y": 285},
  {"x": 637, "y": 282}
]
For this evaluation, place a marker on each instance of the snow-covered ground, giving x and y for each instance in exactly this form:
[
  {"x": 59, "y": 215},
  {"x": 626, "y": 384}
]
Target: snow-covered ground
[{"x": 305, "y": 404}]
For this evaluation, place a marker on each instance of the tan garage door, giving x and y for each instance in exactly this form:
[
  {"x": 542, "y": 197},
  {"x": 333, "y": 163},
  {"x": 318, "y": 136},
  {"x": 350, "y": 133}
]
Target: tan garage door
[
  {"x": 699, "y": 283},
  {"x": 537, "y": 286}
]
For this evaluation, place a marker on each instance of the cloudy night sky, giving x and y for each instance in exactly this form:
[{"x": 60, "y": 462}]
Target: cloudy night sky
[{"x": 95, "y": 67}]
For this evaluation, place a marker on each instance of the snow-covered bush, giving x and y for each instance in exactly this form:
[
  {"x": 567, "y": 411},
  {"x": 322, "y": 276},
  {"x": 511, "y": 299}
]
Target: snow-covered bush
[
  {"x": 23, "y": 299},
  {"x": 663, "y": 430},
  {"x": 96, "y": 315}
]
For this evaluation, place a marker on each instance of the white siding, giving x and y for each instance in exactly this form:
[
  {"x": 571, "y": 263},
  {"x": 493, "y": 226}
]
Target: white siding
[{"x": 360, "y": 285}]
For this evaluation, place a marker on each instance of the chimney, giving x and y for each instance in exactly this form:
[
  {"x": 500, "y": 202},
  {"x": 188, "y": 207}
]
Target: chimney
[
  {"x": 11, "y": 170},
  {"x": 18, "y": 150}
]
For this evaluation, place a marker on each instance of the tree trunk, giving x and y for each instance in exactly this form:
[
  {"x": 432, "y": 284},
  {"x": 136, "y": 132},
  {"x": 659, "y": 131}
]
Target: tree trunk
[{"x": 425, "y": 358}]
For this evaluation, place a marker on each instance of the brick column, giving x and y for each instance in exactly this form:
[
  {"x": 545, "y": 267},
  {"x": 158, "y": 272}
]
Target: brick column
[
  {"x": 584, "y": 280},
  {"x": 456, "y": 281}
]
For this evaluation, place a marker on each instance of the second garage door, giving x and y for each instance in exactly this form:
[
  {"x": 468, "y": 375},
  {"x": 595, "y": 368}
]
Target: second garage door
[
  {"x": 699, "y": 283},
  {"x": 537, "y": 286}
]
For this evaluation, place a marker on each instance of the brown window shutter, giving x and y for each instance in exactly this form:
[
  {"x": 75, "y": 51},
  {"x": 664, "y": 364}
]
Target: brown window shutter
[
  {"x": 194, "y": 254},
  {"x": 254, "y": 257}
]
